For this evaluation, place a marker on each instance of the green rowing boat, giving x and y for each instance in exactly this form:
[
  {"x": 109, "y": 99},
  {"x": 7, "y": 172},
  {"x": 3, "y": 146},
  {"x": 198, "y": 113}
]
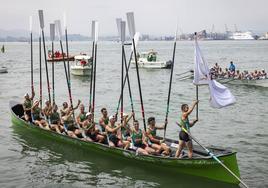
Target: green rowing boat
[{"x": 201, "y": 164}]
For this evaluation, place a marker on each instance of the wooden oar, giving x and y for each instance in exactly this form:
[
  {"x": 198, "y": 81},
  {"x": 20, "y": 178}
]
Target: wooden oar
[
  {"x": 123, "y": 36},
  {"x": 31, "y": 42},
  {"x": 170, "y": 83},
  {"x": 118, "y": 22},
  {"x": 67, "y": 46},
  {"x": 52, "y": 38},
  {"x": 41, "y": 20},
  {"x": 58, "y": 28},
  {"x": 131, "y": 26},
  {"x": 40, "y": 70},
  {"x": 92, "y": 67},
  {"x": 212, "y": 155},
  {"x": 95, "y": 27}
]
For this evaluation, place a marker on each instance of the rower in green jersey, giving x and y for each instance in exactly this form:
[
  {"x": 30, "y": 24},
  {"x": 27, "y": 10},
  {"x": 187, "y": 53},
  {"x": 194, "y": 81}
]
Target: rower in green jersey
[
  {"x": 36, "y": 116},
  {"x": 81, "y": 116},
  {"x": 184, "y": 137},
  {"x": 104, "y": 120},
  {"x": 138, "y": 137},
  {"x": 27, "y": 105},
  {"x": 55, "y": 122},
  {"x": 156, "y": 143}
]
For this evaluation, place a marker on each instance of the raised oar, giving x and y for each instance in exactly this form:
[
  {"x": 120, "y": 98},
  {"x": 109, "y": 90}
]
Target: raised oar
[
  {"x": 31, "y": 42},
  {"x": 41, "y": 20},
  {"x": 58, "y": 28},
  {"x": 95, "y": 28},
  {"x": 212, "y": 155},
  {"x": 40, "y": 69},
  {"x": 121, "y": 32},
  {"x": 170, "y": 83},
  {"x": 92, "y": 66},
  {"x": 122, "y": 35},
  {"x": 52, "y": 38},
  {"x": 196, "y": 87},
  {"x": 67, "y": 46},
  {"x": 131, "y": 27}
]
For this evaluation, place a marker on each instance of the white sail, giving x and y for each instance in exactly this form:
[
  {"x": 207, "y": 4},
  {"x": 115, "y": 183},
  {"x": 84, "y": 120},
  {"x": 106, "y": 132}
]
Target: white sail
[{"x": 220, "y": 96}]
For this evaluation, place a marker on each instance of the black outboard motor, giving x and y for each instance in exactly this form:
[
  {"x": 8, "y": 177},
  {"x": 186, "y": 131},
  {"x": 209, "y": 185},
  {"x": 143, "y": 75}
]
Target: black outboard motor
[{"x": 169, "y": 64}]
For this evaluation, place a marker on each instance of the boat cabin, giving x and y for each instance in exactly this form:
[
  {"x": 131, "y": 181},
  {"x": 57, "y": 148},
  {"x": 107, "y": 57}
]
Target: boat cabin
[{"x": 82, "y": 60}]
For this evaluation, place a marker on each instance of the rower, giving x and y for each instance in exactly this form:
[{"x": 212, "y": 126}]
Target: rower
[
  {"x": 184, "y": 137},
  {"x": 47, "y": 109},
  {"x": 104, "y": 120},
  {"x": 27, "y": 105},
  {"x": 157, "y": 144},
  {"x": 36, "y": 116},
  {"x": 69, "y": 124},
  {"x": 90, "y": 129},
  {"x": 112, "y": 131},
  {"x": 125, "y": 131},
  {"x": 65, "y": 108},
  {"x": 81, "y": 116},
  {"x": 55, "y": 122},
  {"x": 139, "y": 138},
  {"x": 232, "y": 67}
]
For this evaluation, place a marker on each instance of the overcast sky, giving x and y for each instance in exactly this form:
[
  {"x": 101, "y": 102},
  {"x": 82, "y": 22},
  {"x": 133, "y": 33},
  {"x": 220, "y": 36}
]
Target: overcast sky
[{"x": 155, "y": 17}]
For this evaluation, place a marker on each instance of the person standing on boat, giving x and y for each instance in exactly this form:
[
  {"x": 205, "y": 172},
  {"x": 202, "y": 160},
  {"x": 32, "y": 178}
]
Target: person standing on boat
[
  {"x": 112, "y": 133},
  {"x": 104, "y": 120},
  {"x": 156, "y": 143},
  {"x": 81, "y": 116},
  {"x": 36, "y": 116},
  {"x": 69, "y": 124},
  {"x": 55, "y": 122},
  {"x": 90, "y": 129},
  {"x": 27, "y": 105},
  {"x": 232, "y": 68},
  {"x": 184, "y": 138}
]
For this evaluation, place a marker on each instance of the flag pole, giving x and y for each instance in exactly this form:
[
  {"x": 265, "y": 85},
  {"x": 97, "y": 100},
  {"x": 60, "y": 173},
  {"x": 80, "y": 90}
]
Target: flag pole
[{"x": 196, "y": 86}]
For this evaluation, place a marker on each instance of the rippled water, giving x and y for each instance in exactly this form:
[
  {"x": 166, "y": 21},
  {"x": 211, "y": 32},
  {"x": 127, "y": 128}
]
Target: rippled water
[{"x": 31, "y": 161}]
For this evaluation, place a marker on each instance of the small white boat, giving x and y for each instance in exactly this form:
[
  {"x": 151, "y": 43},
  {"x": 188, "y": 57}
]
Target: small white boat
[
  {"x": 149, "y": 60},
  {"x": 82, "y": 65},
  {"x": 3, "y": 69}
]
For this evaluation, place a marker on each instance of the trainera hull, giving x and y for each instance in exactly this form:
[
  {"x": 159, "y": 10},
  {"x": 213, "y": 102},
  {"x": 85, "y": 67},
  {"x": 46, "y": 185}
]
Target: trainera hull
[{"x": 202, "y": 167}]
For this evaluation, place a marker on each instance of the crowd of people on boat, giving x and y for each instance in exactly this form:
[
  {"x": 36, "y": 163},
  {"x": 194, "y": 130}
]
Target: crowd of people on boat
[
  {"x": 121, "y": 134},
  {"x": 217, "y": 72},
  {"x": 56, "y": 54}
]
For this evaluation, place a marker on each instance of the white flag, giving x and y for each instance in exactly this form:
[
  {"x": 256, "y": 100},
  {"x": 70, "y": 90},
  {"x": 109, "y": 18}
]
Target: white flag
[{"x": 220, "y": 96}]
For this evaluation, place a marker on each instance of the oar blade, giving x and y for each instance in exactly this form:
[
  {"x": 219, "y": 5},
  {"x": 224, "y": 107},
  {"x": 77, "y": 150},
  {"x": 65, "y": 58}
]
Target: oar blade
[
  {"x": 31, "y": 23},
  {"x": 131, "y": 24},
  {"x": 118, "y": 24},
  {"x": 52, "y": 31},
  {"x": 94, "y": 30},
  {"x": 58, "y": 28},
  {"x": 41, "y": 19},
  {"x": 123, "y": 31}
]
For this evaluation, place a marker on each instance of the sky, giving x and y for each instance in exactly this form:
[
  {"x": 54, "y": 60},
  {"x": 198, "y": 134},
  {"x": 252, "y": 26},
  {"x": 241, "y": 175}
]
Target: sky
[{"x": 154, "y": 17}]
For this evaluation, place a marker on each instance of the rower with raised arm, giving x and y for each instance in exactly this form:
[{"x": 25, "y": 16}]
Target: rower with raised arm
[
  {"x": 138, "y": 137},
  {"x": 69, "y": 124},
  {"x": 90, "y": 129},
  {"x": 156, "y": 143},
  {"x": 27, "y": 105},
  {"x": 184, "y": 138},
  {"x": 55, "y": 122},
  {"x": 65, "y": 108},
  {"x": 36, "y": 116},
  {"x": 114, "y": 138}
]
